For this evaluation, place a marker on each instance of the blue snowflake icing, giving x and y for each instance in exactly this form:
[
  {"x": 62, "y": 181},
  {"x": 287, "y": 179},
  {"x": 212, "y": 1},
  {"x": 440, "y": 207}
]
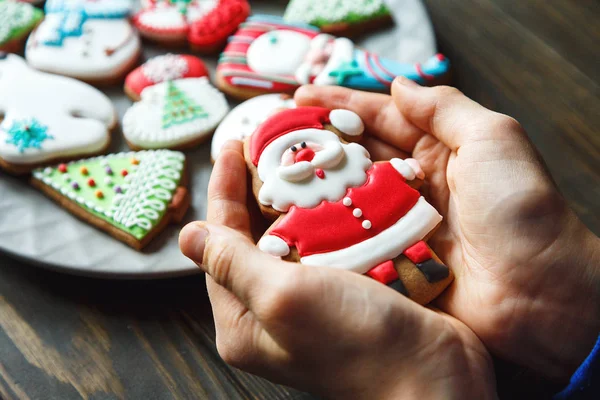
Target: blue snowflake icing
[{"x": 27, "y": 134}]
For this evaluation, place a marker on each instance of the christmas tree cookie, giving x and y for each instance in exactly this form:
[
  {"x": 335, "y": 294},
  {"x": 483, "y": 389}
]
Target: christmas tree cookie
[
  {"x": 174, "y": 114},
  {"x": 132, "y": 196},
  {"x": 16, "y": 21},
  {"x": 341, "y": 17}
]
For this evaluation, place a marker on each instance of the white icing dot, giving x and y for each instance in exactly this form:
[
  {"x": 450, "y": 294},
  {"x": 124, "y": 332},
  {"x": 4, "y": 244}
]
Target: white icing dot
[
  {"x": 108, "y": 180},
  {"x": 347, "y": 122},
  {"x": 67, "y": 177},
  {"x": 47, "y": 170},
  {"x": 357, "y": 212},
  {"x": 366, "y": 224},
  {"x": 347, "y": 201}
]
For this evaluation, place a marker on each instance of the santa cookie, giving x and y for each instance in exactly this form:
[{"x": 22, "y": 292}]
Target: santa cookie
[
  {"x": 336, "y": 208},
  {"x": 163, "y": 68},
  {"x": 340, "y": 17},
  {"x": 16, "y": 21},
  {"x": 204, "y": 24},
  {"x": 174, "y": 114},
  {"x": 132, "y": 196},
  {"x": 89, "y": 40},
  {"x": 48, "y": 117},
  {"x": 246, "y": 117},
  {"x": 268, "y": 55}
]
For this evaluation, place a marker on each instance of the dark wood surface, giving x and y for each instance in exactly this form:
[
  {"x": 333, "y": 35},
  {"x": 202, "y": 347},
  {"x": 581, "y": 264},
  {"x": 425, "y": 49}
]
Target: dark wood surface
[{"x": 66, "y": 337}]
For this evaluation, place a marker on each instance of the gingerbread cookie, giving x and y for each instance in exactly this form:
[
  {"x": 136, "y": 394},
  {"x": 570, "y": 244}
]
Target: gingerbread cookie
[
  {"x": 246, "y": 117},
  {"x": 16, "y": 21},
  {"x": 339, "y": 17},
  {"x": 163, "y": 68},
  {"x": 132, "y": 196},
  {"x": 204, "y": 24},
  {"x": 268, "y": 55},
  {"x": 174, "y": 114},
  {"x": 90, "y": 40},
  {"x": 48, "y": 117},
  {"x": 334, "y": 207}
]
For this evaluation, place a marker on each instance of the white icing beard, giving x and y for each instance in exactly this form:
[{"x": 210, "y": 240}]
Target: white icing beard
[{"x": 281, "y": 194}]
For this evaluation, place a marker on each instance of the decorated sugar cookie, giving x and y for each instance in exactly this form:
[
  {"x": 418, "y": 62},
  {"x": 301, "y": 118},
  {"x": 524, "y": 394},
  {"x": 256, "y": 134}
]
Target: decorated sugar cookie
[
  {"x": 268, "y": 55},
  {"x": 48, "y": 117},
  {"x": 163, "y": 68},
  {"x": 84, "y": 39},
  {"x": 335, "y": 207},
  {"x": 339, "y": 17},
  {"x": 132, "y": 196},
  {"x": 204, "y": 24},
  {"x": 246, "y": 117},
  {"x": 174, "y": 114},
  {"x": 16, "y": 21}
]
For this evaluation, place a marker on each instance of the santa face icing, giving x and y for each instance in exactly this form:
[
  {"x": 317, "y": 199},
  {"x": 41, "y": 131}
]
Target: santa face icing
[
  {"x": 75, "y": 122},
  {"x": 93, "y": 46},
  {"x": 174, "y": 113}
]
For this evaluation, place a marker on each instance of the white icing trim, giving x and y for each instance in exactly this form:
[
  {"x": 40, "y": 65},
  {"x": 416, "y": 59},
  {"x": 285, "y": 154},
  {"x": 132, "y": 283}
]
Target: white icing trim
[
  {"x": 274, "y": 246},
  {"x": 387, "y": 245},
  {"x": 165, "y": 68},
  {"x": 343, "y": 51},
  {"x": 236, "y": 80},
  {"x": 295, "y": 172},
  {"x": 347, "y": 122},
  {"x": 278, "y": 52},
  {"x": 403, "y": 168}
]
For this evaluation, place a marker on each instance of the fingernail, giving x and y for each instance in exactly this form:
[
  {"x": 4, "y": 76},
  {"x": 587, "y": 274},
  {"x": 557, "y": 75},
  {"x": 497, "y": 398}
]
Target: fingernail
[
  {"x": 404, "y": 81},
  {"x": 192, "y": 241}
]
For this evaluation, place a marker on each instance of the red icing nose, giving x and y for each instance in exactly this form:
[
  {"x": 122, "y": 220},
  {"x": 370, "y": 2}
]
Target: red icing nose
[{"x": 305, "y": 155}]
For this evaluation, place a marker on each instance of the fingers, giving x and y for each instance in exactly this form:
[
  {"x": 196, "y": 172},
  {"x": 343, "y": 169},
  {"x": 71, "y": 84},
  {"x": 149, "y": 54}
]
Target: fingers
[
  {"x": 377, "y": 111},
  {"x": 381, "y": 151},
  {"x": 447, "y": 114}
]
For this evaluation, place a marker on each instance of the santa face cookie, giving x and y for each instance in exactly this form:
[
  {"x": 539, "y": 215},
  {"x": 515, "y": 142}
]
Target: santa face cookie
[
  {"x": 160, "y": 69},
  {"x": 132, "y": 196},
  {"x": 246, "y": 117},
  {"x": 92, "y": 44},
  {"x": 16, "y": 21},
  {"x": 268, "y": 55},
  {"x": 174, "y": 114},
  {"x": 336, "y": 208},
  {"x": 204, "y": 24},
  {"x": 48, "y": 117},
  {"x": 340, "y": 17}
]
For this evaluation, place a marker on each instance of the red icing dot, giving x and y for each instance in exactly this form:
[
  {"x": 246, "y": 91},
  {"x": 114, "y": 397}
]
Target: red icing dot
[
  {"x": 99, "y": 194},
  {"x": 91, "y": 182},
  {"x": 62, "y": 168},
  {"x": 124, "y": 172},
  {"x": 440, "y": 57}
]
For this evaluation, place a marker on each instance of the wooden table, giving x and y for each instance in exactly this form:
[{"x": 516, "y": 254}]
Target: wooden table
[{"x": 66, "y": 337}]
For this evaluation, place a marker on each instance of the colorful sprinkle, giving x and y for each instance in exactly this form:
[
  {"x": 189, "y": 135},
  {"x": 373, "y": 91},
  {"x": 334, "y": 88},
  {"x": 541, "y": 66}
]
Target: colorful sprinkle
[
  {"x": 67, "y": 177},
  {"x": 99, "y": 194},
  {"x": 75, "y": 185},
  {"x": 62, "y": 168},
  {"x": 108, "y": 180},
  {"x": 108, "y": 170},
  {"x": 118, "y": 189},
  {"x": 47, "y": 170},
  {"x": 91, "y": 182},
  {"x": 124, "y": 172},
  {"x": 135, "y": 161},
  {"x": 84, "y": 171}
]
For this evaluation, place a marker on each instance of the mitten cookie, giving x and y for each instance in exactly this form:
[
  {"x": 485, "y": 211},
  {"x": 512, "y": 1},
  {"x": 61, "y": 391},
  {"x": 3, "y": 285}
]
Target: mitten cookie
[
  {"x": 334, "y": 207},
  {"x": 160, "y": 69},
  {"x": 204, "y": 24},
  {"x": 268, "y": 55},
  {"x": 16, "y": 21},
  {"x": 132, "y": 196},
  {"x": 340, "y": 17},
  {"x": 48, "y": 118},
  {"x": 174, "y": 114},
  {"x": 246, "y": 117},
  {"x": 90, "y": 40}
]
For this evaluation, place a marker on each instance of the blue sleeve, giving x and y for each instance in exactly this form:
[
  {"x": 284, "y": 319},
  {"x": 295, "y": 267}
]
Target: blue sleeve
[{"x": 585, "y": 382}]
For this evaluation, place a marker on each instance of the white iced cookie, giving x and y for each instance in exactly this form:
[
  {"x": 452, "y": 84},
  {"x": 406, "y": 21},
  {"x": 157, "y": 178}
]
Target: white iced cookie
[
  {"x": 246, "y": 117},
  {"x": 92, "y": 49},
  {"x": 48, "y": 117},
  {"x": 174, "y": 114}
]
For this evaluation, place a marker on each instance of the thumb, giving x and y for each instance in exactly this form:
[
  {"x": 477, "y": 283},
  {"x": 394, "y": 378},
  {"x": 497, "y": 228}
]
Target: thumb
[
  {"x": 448, "y": 114},
  {"x": 230, "y": 258}
]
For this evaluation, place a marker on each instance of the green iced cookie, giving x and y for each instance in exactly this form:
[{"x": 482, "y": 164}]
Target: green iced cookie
[
  {"x": 324, "y": 13},
  {"x": 17, "y": 20}
]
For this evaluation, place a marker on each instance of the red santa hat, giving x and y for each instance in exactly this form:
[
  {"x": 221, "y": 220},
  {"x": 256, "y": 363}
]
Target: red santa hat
[{"x": 301, "y": 118}]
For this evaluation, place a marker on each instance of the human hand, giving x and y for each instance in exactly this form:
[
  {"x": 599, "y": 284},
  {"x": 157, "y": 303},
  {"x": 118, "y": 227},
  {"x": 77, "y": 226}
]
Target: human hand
[
  {"x": 332, "y": 332},
  {"x": 527, "y": 276}
]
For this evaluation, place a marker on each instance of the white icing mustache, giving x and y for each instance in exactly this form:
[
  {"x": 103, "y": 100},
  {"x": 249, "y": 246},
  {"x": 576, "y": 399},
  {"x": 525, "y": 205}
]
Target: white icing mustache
[{"x": 329, "y": 157}]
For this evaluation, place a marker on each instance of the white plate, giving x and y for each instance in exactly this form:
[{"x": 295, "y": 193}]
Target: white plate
[{"x": 37, "y": 231}]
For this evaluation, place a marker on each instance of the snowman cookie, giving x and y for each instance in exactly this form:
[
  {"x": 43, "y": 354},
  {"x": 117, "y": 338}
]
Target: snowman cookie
[
  {"x": 246, "y": 117},
  {"x": 48, "y": 117},
  {"x": 340, "y": 17},
  {"x": 334, "y": 207},
  {"x": 203, "y": 24},
  {"x": 132, "y": 196},
  {"x": 16, "y": 21},
  {"x": 163, "y": 68},
  {"x": 89, "y": 40},
  {"x": 175, "y": 114},
  {"x": 268, "y": 55}
]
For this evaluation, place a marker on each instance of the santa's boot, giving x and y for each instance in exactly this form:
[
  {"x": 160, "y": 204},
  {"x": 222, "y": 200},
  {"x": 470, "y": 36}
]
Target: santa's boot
[
  {"x": 387, "y": 274},
  {"x": 421, "y": 255}
]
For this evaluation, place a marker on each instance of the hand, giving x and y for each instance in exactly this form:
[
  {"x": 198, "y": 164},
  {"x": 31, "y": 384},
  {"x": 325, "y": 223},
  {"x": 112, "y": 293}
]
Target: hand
[
  {"x": 527, "y": 270},
  {"x": 332, "y": 332}
]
